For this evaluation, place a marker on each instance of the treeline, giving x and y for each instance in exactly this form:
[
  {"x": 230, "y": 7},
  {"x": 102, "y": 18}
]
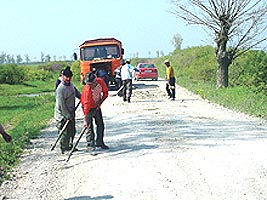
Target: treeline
[{"x": 25, "y": 59}]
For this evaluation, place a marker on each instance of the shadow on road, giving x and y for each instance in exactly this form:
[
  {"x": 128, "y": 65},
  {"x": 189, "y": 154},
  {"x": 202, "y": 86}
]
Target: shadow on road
[{"x": 91, "y": 198}]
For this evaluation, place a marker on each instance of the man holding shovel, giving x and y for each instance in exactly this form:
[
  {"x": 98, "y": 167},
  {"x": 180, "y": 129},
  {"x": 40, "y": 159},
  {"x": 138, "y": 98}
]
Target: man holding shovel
[
  {"x": 93, "y": 95},
  {"x": 65, "y": 109}
]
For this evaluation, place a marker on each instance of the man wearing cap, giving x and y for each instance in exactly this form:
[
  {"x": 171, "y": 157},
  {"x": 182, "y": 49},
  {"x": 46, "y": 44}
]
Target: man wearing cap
[
  {"x": 65, "y": 109},
  {"x": 93, "y": 95},
  {"x": 170, "y": 78}
]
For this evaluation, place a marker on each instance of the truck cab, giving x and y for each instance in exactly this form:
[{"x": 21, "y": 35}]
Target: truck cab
[{"x": 100, "y": 55}]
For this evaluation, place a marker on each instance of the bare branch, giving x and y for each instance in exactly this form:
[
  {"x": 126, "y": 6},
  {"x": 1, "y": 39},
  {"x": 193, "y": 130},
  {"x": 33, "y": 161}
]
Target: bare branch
[{"x": 240, "y": 20}]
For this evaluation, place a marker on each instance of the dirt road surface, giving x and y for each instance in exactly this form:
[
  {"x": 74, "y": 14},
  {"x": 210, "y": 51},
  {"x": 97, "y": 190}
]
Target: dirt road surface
[{"x": 188, "y": 149}]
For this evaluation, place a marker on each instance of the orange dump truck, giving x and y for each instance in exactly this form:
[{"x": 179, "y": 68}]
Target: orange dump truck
[{"x": 100, "y": 54}]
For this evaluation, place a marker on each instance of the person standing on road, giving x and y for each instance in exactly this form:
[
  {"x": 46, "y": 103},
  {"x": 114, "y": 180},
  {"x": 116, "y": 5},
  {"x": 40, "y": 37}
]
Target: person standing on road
[
  {"x": 93, "y": 95},
  {"x": 65, "y": 109},
  {"x": 6, "y": 136},
  {"x": 170, "y": 78},
  {"x": 126, "y": 77}
]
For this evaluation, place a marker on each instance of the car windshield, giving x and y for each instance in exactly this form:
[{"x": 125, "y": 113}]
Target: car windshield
[
  {"x": 107, "y": 51},
  {"x": 147, "y": 66}
]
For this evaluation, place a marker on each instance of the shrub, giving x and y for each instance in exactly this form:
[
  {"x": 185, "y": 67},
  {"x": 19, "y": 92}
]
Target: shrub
[
  {"x": 75, "y": 68},
  {"x": 250, "y": 70},
  {"x": 12, "y": 74},
  {"x": 34, "y": 73}
]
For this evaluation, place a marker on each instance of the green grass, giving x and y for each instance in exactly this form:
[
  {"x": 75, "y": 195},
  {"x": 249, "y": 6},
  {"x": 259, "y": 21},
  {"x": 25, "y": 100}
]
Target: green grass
[
  {"x": 23, "y": 118},
  {"x": 239, "y": 98}
]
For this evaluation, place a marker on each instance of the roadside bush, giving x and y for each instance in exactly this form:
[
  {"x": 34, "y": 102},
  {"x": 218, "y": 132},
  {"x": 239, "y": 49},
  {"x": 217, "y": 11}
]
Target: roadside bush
[
  {"x": 54, "y": 66},
  {"x": 12, "y": 74},
  {"x": 250, "y": 70},
  {"x": 34, "y": 73},
  {"x": 75, "y": 68}
]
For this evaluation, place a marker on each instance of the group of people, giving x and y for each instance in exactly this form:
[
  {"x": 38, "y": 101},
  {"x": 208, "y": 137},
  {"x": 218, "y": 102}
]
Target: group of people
[
  {"x": 125, "y": 72},
  {"x": 93, "y": 95}
]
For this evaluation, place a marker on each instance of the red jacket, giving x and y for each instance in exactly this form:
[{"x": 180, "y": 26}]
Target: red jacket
[{"x": 87, "y": 100}]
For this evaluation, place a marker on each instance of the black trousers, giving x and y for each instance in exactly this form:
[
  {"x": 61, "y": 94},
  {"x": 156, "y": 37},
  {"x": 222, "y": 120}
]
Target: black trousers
[
  {"x": 127, "y": 89},
  {"x": 96, "y": 115},
  {"x": 170, "y": 88}
]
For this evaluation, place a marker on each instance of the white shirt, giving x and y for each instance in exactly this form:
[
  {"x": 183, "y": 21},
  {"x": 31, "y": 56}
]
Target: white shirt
[{"x": 126, "y": 72}]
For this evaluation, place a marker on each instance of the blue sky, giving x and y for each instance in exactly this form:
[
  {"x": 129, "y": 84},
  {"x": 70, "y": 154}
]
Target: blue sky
[{"x": 57, "y": 27}]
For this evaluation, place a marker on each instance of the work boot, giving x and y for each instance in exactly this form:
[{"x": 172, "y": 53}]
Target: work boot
[
  {"x": 102, "y": 146},
  {"x": 63, "y": 150},
  {"x": 90, "y": 146}
]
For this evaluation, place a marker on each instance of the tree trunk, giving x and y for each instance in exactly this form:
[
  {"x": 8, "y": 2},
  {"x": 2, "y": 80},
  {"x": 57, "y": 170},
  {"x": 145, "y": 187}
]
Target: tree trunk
[
  {"x": 222, "y": 75},
  {"x": 224, "y": 59}
]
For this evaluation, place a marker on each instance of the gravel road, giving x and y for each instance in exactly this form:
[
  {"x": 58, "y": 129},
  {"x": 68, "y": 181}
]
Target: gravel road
[{"x": 188, "y": 149}]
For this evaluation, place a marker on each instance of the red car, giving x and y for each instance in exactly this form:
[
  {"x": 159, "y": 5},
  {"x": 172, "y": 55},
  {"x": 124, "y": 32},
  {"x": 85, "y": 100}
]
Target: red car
[{"x": 146, "y": 71}]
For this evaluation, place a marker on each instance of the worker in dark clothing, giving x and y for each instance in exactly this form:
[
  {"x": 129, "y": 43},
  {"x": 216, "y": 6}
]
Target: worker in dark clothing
[{"x": 65, "y": 109}]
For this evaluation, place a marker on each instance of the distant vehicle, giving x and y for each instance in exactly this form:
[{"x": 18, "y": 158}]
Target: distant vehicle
[
  {"x": 100, "y": 54},
  {"x": 146, "y": 71}
]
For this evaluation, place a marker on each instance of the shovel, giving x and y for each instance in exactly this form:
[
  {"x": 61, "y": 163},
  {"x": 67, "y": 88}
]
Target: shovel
[
  {"x": 117, "y": 92},
  {"x": 77, "y": 142}
]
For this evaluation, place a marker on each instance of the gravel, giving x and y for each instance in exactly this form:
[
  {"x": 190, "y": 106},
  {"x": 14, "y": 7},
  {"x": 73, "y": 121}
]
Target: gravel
[{"x": 187, "y": 149}]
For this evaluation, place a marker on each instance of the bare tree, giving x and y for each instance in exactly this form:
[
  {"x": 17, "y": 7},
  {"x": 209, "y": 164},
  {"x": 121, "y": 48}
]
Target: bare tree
[
  {"x": 47, "y": 58},
  {"x": 27, "y": 58},
  {"x": 177, "y": 41},
  {"x": 237, "y": 26},
  {"x": 3, "y": 58},
  {"x": 19, "y": 59},
  {"x": 42, "y": 57}
]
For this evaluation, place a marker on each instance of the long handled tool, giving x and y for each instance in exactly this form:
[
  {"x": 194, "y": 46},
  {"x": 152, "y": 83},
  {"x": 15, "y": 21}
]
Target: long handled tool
[
  {"x": 82, "y": 132},
  {"x": 75, "y": 145},
  {"x": 63, "y": 129},
  {"x": 118, "y": 91},
  {"x": 60, "y": 134}
]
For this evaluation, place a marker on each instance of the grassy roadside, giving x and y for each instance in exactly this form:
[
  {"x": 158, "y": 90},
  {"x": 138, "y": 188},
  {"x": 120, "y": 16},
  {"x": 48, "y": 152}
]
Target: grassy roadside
[
  {"x": 239, "y": 98},
  {"x": 23, "y": 117}
]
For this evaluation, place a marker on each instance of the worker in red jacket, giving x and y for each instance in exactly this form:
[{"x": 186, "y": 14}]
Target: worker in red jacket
[{"x": 93, "y": 95}]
